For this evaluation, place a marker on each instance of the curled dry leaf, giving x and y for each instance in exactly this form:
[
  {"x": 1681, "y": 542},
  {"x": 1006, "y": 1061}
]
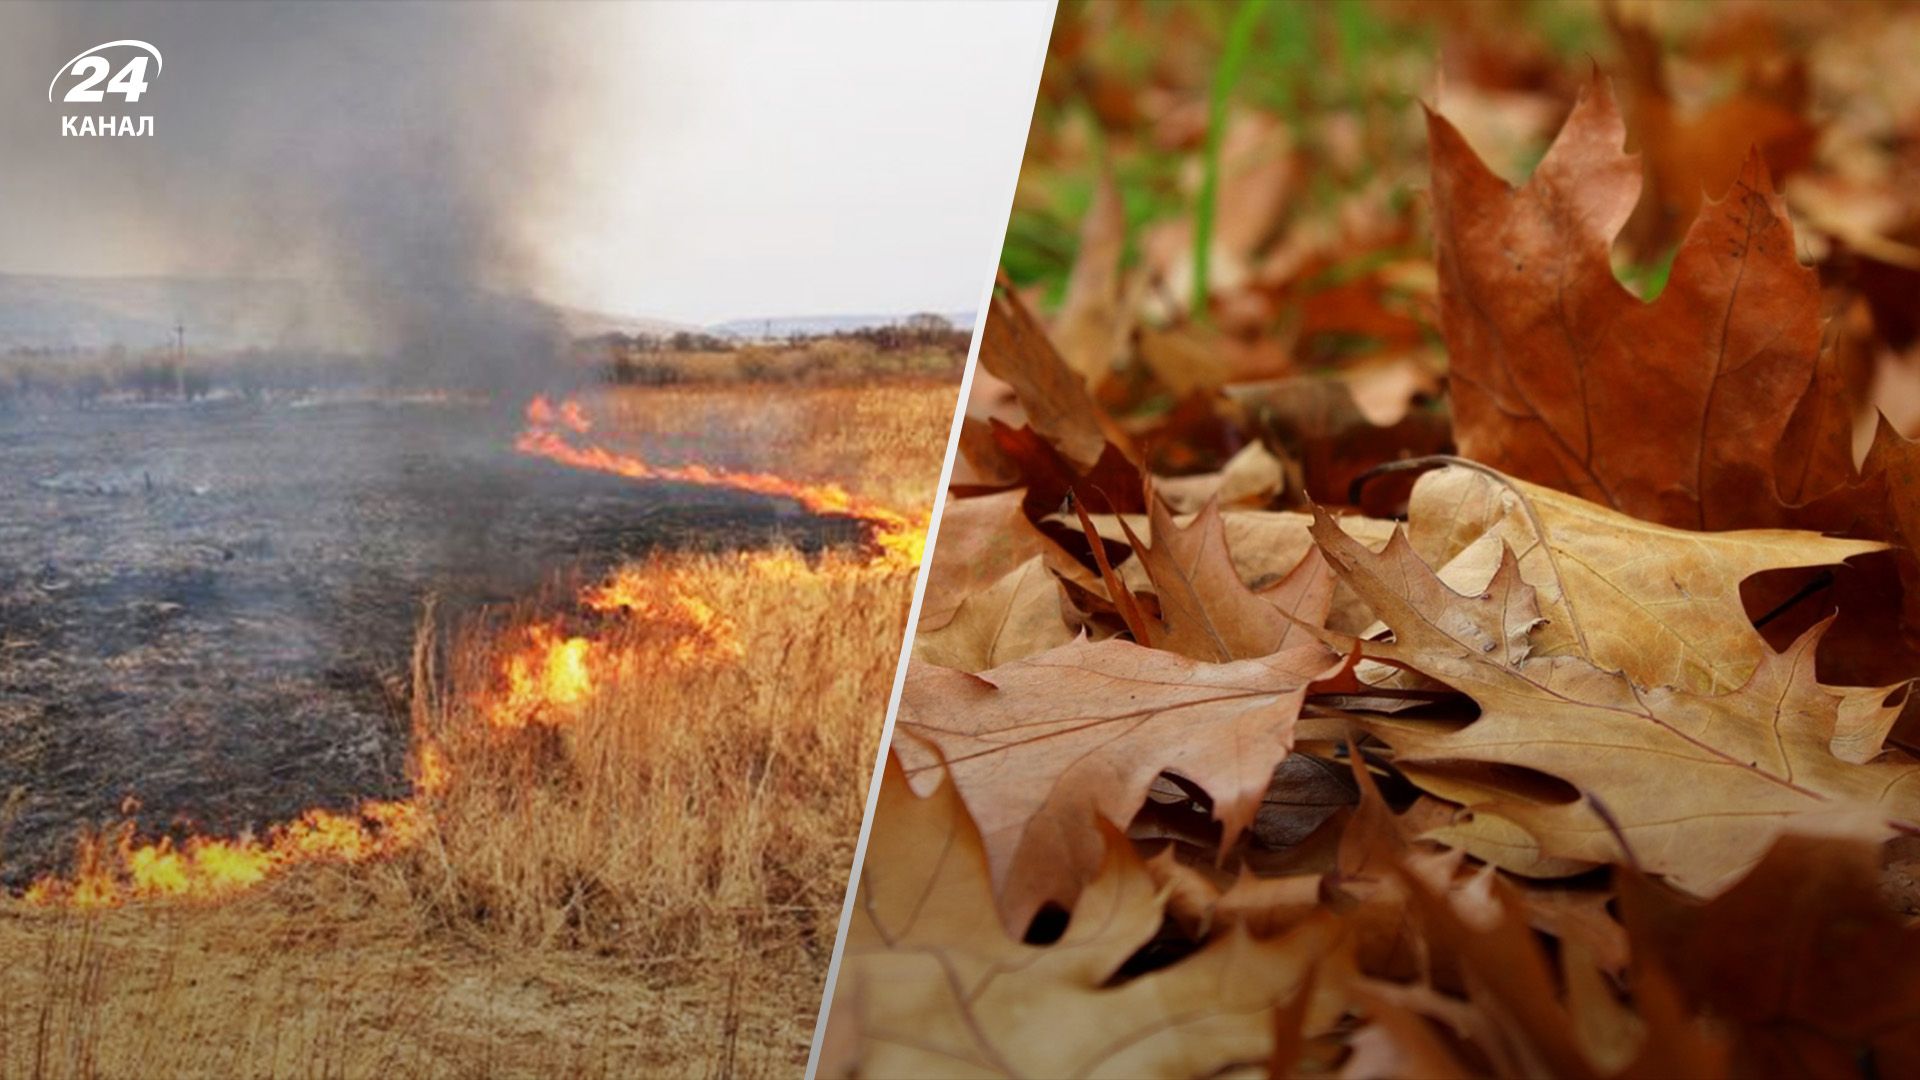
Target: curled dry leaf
[
  {"x": 1519, "y": 1023},
  {"x": 982, "y": 540},
  {"x": 1658, "y": 604},
  {"x": 1017, "y": 616},
  {"x": 1015, "y": 348},
  {"x": 1253, "y": 476},
  {"x": 1206, "y": 613},
  {"x": 933, "y": 986},
  {"x": 1695, "y": 786},
  {"x": 1043, "y": 747},
  {"x": 1264, "y": 546}
]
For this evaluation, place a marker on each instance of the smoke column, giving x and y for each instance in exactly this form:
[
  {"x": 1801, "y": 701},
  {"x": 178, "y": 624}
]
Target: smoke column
[{"x": 388, "y": 157}]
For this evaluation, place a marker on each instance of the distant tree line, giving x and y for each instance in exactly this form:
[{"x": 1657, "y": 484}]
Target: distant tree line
[
  {"x": 923, "y": 344},
  {"x": 88, "y": 376}
]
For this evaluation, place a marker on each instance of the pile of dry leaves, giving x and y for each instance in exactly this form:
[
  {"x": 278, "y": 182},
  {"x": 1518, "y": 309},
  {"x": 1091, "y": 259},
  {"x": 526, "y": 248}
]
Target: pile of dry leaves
[{"x": 1534, "y": 705}]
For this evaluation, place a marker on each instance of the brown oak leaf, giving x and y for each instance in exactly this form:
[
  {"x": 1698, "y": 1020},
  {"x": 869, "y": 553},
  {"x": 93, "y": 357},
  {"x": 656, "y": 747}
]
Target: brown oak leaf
[
  {"x": 1206, "y": 613},
  {"x": 1696, "y": 786},
  {"x": 1042, "y": 748},
  {"x": 1668, "y": 411},
  {"x": 1015, "y": 348},
  {"x": 931, "y": 985},
  {"x": 1658, "y": 604},
  {"x": 1017, "y": 616},
  {"x": 981, "y": 541}
]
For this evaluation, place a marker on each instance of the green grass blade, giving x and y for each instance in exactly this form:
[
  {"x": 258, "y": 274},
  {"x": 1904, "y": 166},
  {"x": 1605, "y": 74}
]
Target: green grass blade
[{"x": 1232, "y": 58}]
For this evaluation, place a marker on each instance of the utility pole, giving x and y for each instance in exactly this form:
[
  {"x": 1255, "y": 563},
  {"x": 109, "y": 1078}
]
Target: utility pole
[{"x": 179, "y": 355}]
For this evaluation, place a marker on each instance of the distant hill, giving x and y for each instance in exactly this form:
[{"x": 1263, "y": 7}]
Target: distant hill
[
  {"x": 581, "y": 324},
  {"x": 44, "y": 312},
  {"x": 40, "y": 311},
  {"x": 824, "y": 324}
]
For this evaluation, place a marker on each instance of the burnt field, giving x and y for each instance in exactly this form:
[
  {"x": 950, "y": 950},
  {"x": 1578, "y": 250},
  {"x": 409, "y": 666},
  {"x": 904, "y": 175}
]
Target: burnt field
[{"x": 206, "y": 611}]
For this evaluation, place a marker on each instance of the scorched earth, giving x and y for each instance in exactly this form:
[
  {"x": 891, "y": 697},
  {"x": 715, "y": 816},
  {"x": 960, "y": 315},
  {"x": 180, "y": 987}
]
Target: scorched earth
[{"x": 206, "y": 610}]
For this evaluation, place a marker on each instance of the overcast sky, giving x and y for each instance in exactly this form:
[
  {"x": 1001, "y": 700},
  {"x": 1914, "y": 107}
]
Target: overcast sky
[{"x": 694, "y": 162}]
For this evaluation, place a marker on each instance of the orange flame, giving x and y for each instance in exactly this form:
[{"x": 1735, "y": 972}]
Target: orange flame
[
  {"x": 109, "y": 874},
  {"x": 668, "y": 608},
  {"x": 901, "y": 538},
  {"x": 568, "y": 414},
  {"x": 548, "y": 680},
  {"x": 430, "y": 772}
]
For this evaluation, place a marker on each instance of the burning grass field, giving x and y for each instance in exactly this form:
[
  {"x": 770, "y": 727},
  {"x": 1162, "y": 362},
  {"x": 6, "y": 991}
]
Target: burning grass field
[{"x": 632, "y": 803}]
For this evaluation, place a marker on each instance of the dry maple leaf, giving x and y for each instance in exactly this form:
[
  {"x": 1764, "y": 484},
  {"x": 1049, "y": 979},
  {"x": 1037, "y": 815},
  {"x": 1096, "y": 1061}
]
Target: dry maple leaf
[
  {"x": 1042, "y": 748},
  {"x": 1697, "y": 786},
  {"x": 1669, "y": 411},
  {"x": 933, "y": 986},
  {"x": 1658, "y": 604}
]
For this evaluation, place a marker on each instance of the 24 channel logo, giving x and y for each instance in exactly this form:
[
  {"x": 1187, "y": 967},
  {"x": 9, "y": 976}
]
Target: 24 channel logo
[{"x": 87, "y": 71}]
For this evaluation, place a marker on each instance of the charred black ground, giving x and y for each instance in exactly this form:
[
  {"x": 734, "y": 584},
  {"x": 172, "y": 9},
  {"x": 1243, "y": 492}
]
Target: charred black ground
[{"x": 209, "y": 608}]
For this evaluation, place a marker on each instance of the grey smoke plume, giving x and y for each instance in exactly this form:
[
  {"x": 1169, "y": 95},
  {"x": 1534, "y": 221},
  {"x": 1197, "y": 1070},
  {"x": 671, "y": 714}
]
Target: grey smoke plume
[{"x": 393, "y": 153}]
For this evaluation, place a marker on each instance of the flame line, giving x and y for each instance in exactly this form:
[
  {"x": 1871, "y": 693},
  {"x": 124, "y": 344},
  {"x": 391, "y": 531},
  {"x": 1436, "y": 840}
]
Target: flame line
[
  {"x": 547, "y": 681},
  {"x": 900, "y": 537}
]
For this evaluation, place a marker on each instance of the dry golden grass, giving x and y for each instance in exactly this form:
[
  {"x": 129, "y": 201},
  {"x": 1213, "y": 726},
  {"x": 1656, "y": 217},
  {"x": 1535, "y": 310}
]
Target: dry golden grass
[
  {"x": 885, "y": 440},
  {"x": 811, "y": 363},
  {"x": 650, "y": 887}
]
